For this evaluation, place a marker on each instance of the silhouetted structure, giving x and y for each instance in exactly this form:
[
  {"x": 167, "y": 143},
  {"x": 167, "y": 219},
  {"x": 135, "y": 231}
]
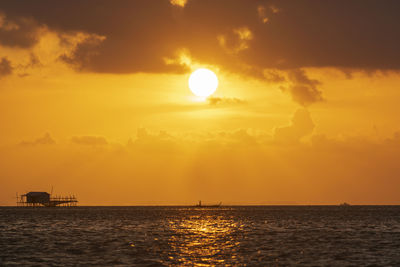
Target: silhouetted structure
[{"x": 37, "y": 199}]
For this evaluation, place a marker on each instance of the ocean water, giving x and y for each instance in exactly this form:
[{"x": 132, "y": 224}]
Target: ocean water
[{"x": 229, "y": 236}]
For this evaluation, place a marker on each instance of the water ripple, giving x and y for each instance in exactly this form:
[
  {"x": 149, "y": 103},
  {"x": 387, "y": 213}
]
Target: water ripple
[{"x": 164, "y": 236}]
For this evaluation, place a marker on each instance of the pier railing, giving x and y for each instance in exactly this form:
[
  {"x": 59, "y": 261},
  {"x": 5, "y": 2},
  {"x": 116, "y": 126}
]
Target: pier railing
[{"x": 57, "y": 201}]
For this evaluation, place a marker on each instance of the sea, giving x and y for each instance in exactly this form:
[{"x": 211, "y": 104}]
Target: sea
[{"x": 190, "y": 236}]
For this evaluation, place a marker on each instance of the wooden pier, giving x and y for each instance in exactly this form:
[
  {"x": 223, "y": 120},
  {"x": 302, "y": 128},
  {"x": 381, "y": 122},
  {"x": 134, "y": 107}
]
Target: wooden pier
[{"x": 44, "y": 199}]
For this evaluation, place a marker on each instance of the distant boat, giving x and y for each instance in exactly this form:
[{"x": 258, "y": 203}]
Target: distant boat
[
  {"x": 344, "y": 204},
  {"x": 200, "y": 205}
]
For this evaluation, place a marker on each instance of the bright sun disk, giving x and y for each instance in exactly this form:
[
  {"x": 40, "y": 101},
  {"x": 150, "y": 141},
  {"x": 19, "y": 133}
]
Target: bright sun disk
[{"x": 203, "y": 82}]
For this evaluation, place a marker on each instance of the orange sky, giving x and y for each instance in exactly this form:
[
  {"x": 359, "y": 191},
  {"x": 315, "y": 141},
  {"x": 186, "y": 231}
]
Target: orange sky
[{"x": 94, "y": 101}]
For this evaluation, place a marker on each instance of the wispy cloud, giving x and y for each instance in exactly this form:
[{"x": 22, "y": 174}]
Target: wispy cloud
[
  {"x": 46, "y": 139},
  {"x": 89, "y": 140}
]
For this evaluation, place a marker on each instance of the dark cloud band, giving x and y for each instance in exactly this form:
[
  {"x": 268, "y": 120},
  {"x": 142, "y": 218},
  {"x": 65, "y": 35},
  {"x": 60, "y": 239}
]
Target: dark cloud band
[{"x": 283, "y": 34}]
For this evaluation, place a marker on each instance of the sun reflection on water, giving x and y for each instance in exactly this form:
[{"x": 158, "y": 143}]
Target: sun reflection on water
[{"x": 204, "y": 240}]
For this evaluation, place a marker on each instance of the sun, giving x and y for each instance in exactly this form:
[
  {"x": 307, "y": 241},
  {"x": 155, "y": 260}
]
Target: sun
[{"x": 203, "y": 82}]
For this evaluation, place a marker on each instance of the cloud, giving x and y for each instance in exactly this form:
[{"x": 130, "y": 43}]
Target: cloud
[
  {"x": 159, "y": 142},
  {"x": 21, "y": 32},
  {"x": 180, "y": 3},
  {"x": 89, "y": 140},
  {"x": 224, "y": 101},
  {"x": 141, "y": 34},
  {"x": 273, "y": 76},
  {"x": 5, "y": 67},
  {"x": 34, "y": 62},
  {"x": 82, "y": 55},
  {"x": 301, "y": 126},
  {"x": 239, "y": 136},
  {"x": 182, "y": 59},
  {"x": 264, "y": 12},
  {"x": 167, "y": 167},
  {"x": 221, "y": 166},
  {"x": 143, "y": 135},
  {"x": 46, "y": 139},
  {"x": 165, "y": 142},
  {"x": 303, "y": 90},
  {"x": 236, "y": 41}
]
